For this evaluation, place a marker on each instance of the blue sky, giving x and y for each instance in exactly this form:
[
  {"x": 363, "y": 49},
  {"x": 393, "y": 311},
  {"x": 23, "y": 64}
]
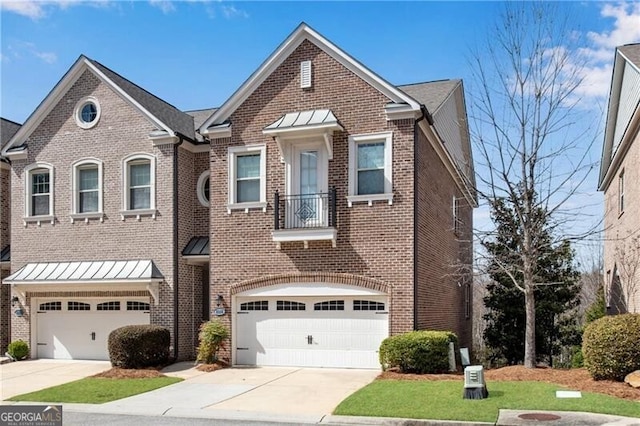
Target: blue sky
[{"x": 195, "y": 54}]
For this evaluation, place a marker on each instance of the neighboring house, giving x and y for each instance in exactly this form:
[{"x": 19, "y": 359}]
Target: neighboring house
[
  {"x": 7, "y": 130},
  {"x": 620, "y": 181},
  {"x": 341, "y": 209},
  {"x": 104, "y": 198},
  {"x": 341, "y": 212}
]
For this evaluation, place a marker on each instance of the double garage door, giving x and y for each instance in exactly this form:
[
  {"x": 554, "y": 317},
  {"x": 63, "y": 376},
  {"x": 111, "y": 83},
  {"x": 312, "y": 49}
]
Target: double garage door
[
  {"x": 79, "y": 328},
  {"x": 343, "y": 332}
]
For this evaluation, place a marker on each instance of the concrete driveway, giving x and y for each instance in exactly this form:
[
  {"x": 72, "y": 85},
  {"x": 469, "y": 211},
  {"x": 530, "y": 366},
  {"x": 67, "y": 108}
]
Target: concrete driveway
[
  {"x": 28, "y": 376},
  {"x": 298, "y": 394}
]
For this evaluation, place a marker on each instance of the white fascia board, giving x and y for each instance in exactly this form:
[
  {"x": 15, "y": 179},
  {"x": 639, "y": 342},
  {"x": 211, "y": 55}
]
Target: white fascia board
[
  {"x": 60, "y": 89},
  {"x": 614, "y": 163},
  {"x": 304, "y": 32},
  {"x": 196, "y": 148},
  {"x": 612, "y": 113},
  {"x": 128, "y": 98},
  {"x": 400, "y": 112},
  {"x": 304, "y": 130},
  {"x": 85, "y": 285},
  {"x": 196, "y": 260},
  {"x": 448, "y": 162},
  {"x": 217, "y": 132},
  {"x": 163, "y": 138}
]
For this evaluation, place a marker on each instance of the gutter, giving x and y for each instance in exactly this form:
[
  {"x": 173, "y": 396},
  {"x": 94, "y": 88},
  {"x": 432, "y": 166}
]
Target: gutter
[
  {"x": 425, "y": 115},
  {"x": 176, "y": 249}
]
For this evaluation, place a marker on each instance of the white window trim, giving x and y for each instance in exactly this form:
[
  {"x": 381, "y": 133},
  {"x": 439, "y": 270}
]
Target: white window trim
[
  {"x": 455, "y": 213},
  {"x": 75, "y": 199},
  {"x": 233, "y": 153},
  {"x": 78, "y": 111},
  {"x": 354, "y": 140},
  {"x": 200, "y": 188},
  {"x": 621, "y": 193},
  {"x": 39, "y": 219},
  {"x": 126, "y": 211}
]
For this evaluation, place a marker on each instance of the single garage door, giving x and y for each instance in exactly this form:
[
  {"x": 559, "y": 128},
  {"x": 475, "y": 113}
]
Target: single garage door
[
  {"x": 339, "y": 332},
  {"x": 79, "y": 328}
]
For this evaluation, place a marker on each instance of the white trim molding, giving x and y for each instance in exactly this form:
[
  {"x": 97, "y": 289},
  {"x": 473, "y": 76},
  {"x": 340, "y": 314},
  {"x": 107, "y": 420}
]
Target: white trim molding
[
  {"x": 77, "y": 112},
  {"x": 127, "y": 211},
  {"x": 28, "y": 173},
  {"x": 202, "y": 196},
  {"x": 75, "y": 198},
  {"x": 354, "y": 141},
  {"x": 233, "y": 153}
]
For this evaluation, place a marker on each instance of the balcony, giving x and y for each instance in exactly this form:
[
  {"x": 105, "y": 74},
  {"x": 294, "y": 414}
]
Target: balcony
[{"x": 305, "y": 217}]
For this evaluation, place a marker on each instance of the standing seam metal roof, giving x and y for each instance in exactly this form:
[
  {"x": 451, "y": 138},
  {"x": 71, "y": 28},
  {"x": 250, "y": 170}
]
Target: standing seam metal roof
[{"x": 124, "y": 270}]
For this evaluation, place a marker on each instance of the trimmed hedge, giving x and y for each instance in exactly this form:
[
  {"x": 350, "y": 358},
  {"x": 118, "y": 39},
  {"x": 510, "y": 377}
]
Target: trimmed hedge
[
  {"x": 611, "y": 346},
  {"x": 18, "y": 349},
  {"x": 139, "y": 346},
  {"x": 417, "y": 351}
]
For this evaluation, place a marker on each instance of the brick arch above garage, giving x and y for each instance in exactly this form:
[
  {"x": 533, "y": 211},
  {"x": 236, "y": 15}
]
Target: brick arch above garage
[{"x": 312, "y": 277}]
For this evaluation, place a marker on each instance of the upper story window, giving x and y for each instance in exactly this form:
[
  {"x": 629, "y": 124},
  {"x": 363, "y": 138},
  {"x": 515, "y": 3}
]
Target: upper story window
[
  {"x": 87, "y": 112},
  {"x": 455, "y": 210},
  {"x": 247, "y": 177},
  {"x": 39, "y": 191},
  {"x": 621, "y": 193},
  {"x": 204, "y": 188},
  {"x": 87, "y": 187},
  {"x": 139, "y": 185},
  {"x": 370, "y": 168}
]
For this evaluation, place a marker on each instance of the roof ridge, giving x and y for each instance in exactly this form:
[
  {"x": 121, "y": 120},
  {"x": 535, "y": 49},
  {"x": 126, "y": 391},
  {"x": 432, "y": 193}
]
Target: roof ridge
[
  {"x": 11, "y": 121},
  {"x": 430, "y": 81}
]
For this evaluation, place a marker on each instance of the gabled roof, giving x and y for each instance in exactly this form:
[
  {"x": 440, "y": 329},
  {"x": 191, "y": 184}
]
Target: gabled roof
[
  {"x": 163, "y": 115},
  {"x": 175, "y": 119},
  {"x": 623, "y": 114},
  {"x": 300, "y": 34},
  {"x": 431, "y": 94},
  {"x": 8, "y": 128}
]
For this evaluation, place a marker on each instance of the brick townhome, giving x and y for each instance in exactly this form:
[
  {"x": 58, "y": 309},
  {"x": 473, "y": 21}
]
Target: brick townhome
[
  {"x": 340, "y": 209},
  {"x": 620, "y": 181}
]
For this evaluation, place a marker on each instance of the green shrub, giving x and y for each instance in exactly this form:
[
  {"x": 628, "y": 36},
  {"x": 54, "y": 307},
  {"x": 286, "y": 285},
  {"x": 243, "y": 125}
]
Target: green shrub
[
  {"x": 577, "y": 359},
  {"x": 611, "y": 346},
  {"x": 18, "y": 349},
  {"x": 139, "y": 346},
  {"x": 211, "y": 337},
  {"x": 417, "y": 351}
]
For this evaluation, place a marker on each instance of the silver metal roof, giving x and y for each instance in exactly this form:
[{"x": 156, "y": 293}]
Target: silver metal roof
[
  {"x": 197, "y": 246},
  {"x": 104, "y": 270},
  {"x": 316, "y": 117}
]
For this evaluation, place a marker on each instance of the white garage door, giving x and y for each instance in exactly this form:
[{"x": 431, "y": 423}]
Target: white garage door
[
  {"x": 79, "y": 328},
  {"x": 320, "y": 331}
]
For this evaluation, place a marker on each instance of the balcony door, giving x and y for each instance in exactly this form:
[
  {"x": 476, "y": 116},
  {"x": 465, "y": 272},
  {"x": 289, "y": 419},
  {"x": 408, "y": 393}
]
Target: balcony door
[{"x": 308, "y": 186}]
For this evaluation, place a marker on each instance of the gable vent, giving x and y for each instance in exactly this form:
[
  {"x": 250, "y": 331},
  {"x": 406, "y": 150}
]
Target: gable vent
[{"x": 305, "y": 74}]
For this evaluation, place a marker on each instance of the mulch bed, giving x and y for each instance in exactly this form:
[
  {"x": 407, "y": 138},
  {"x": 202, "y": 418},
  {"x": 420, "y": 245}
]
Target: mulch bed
[
  {"x": 126, "y": 373},
  {"x": 208, "y": 368},
  {"x": 574, "y": 379}
]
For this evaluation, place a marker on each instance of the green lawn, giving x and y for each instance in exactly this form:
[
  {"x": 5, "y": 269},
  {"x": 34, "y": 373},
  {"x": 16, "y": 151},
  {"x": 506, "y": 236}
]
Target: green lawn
[
  {"x": 96, "y": 390},
  {"x": 442, "y": 400}
]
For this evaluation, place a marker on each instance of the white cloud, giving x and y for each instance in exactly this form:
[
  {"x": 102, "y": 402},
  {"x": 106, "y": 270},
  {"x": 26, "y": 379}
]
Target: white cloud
[
  {"x": 20, "y": 49},
  {"x": 165, "y": 6},
  {"x": 599, "y": 53},
  {"x": 37, "y": 9},
  {"x": 231, "y": 11},
  {"x": 30, "y": 9},
  {"x": 48, "y": 57}
]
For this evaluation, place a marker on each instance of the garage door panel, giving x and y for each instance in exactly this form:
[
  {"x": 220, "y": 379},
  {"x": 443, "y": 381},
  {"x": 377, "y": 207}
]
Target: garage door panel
[
  {"x": 339, "y": 338},
  {"x": 81, "y": 334}
]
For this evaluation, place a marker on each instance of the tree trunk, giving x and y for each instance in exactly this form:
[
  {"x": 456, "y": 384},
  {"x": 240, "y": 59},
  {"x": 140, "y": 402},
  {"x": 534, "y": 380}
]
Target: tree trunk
[{"x": 530, "y": 324}]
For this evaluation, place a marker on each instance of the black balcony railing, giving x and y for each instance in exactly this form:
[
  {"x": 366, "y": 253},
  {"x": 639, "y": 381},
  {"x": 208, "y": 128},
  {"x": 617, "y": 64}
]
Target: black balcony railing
[{"x": 305, "y": 210}]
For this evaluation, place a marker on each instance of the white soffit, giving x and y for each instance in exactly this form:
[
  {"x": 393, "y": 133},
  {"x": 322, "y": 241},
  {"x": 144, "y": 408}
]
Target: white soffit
[{"x": 310, "y": 289}]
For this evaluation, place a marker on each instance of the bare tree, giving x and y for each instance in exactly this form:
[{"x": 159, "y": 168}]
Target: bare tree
[
  {"x": 526, "y": 125},
  {"x": 591, "y": 276},
  {"x": 625, "y": 284}
]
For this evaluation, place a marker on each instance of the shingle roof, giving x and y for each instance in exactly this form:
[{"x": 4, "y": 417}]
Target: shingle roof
[
  {"x": 431, "y": 94},
  {"x": 200, "y": 116},
  {"x": 632, "y": 53},
  {"x": 177, "y": 120},
  {"x": 8, "y": 128}
]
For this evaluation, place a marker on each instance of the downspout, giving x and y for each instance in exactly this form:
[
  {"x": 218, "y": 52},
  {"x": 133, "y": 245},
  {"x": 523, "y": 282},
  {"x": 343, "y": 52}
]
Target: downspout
[
  {"x": 423, "y": 114},
  {"x": 176, "y": 249}
]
